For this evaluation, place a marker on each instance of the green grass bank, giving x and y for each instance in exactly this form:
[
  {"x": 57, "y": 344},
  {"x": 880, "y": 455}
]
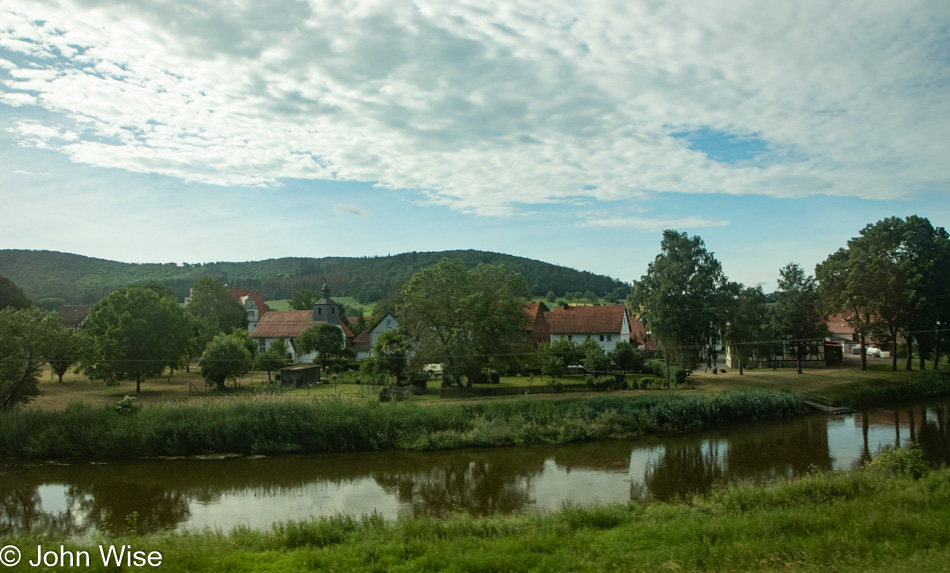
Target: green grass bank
[
  {"x": 267, "y": 426},
  {"x": 886, "y": 518},
  {"x": 889, "y": 391}
]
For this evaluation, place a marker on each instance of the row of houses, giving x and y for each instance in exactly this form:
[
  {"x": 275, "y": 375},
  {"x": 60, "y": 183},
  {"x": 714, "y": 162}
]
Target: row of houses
[{"x": 606, "y": 325}]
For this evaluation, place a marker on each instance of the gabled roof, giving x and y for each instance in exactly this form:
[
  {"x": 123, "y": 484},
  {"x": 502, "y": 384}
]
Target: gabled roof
[
  {"x": 838, "y": 324},
  {"x": 74, "y": 314},
  {"x": 587, "y": 319},
  {"x": 361, "y": 342},
  {"x": 288, "y": 324},
  {"x": 239, "y": 294}
]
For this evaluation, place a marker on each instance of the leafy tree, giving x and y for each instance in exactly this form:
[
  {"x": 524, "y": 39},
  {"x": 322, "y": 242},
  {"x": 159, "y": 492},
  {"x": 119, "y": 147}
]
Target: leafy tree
[
  {"x": 11, "y": 295},
  {"x": 326, "y": 340},
  {"x": 274, "y": 358},
  {"x": 303, "y": 299},
  {"x": 844, "y": 288},
  {"x": 136, "y": 332},
  {"x": 65, "y": 349},
  {"x": 462, "y": 318},
  {"x": 225, "y": 358},
  {"x": 392, "y": 351},
  {"x": 24, "y": 346},
  {"x": 554, "y": 357},
  {"x": 683, "y": 298},
  {"x": 211, "y": 302},
  {"x": 360, "y": 324},
  {"x": 747, "y": 326},
  {"x": 551, "y": 297},
  {"x": 595, "y": 358},
  {"x": 797, "y": 313},
  {"x": 627, "y": 358}
]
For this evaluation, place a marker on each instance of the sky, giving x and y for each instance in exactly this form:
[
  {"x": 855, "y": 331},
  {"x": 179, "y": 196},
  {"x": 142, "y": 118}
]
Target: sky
[{"x": 569, "y": 132}]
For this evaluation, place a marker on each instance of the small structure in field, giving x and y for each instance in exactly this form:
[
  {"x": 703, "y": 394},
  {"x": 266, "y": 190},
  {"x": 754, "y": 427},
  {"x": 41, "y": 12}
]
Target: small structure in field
[{"x": 300, "y": 375}]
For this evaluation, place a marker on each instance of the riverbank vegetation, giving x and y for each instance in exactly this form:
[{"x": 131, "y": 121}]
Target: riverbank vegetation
[
  {"x": 267, "y": 426},
  {"x": 893, "y": 516}
]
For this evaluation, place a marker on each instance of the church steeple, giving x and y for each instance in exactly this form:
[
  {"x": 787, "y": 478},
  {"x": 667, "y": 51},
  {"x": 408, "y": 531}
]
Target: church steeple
[{"x": 326, "y": 309}]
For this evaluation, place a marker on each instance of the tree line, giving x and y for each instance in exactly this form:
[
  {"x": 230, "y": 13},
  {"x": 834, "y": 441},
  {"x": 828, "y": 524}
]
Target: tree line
[{"x": 890, "y": 281}]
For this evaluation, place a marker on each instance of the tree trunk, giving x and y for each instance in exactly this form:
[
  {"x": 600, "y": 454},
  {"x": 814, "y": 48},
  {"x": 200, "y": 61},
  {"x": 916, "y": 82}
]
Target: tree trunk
[
  {"x": 138, "y": 384},
  {"x": 894, "y": 351},
  {"x": 864, "y": 352},
  {"x": 937, "y": 352},
  {"x": 909, "y": 363}
]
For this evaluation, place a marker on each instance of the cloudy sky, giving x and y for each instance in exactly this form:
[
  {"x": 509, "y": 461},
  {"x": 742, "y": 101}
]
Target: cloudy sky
[{"x": 570, "y": 132}]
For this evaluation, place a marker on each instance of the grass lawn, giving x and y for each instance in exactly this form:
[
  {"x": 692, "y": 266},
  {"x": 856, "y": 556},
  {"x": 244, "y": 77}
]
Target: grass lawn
[{"x": 181, "y": 386}]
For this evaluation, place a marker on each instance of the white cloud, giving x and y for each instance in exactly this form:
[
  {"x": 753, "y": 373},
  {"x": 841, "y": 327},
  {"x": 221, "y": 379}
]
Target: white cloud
[
  {"x": 488, "y": 110},
  {"x": 349, "y": 209},
  {"x": 655, "y": 224}
]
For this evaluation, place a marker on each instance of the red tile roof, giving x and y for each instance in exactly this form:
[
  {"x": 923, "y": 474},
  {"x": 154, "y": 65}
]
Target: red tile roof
[
  {"x": 587, "y": 319},
  {"x": 536, "y": 324},
  {"x": 74, "y": 314},
  {"x": 288, "y": 324},
  {"x": 838, "y": 324},
  {"x": 239, "y": 293},
  {"x": 361, "y": 342}
]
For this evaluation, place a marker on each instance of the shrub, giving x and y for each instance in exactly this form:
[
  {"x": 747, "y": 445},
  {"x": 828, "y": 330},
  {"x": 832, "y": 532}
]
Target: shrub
[{"x": 906, "y": 461}]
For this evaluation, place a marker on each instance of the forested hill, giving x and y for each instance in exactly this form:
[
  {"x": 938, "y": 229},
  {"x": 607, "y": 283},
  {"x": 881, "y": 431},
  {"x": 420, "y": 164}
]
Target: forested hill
[{"x": 83, "y": 280}]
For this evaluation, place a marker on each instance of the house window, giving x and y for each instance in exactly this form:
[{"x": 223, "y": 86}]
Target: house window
[
  {"x": 262, "y": 346},
  {"x": 609, "y": 337},
  {"x": 319, "y": 311},
  {"x": 570, "y": 337},
  {"x": 524, "y": 337},
  {"x": 601, "y": 337},
  {"x": 332, "y": 310}
]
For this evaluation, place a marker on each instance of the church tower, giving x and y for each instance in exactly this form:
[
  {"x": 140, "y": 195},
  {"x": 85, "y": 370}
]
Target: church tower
[{"x": 326, "y": 309}]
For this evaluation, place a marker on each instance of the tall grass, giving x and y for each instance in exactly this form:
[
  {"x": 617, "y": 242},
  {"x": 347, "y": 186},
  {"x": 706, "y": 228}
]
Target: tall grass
[
  {"x": 270, "y": 427},
  {"x": 862, "y": 521}
]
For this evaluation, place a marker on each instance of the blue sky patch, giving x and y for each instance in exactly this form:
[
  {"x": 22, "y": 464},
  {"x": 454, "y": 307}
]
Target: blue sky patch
[{"x": 721, "y": 146}]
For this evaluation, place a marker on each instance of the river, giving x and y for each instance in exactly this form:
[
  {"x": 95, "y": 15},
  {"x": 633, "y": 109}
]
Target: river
[{"x": 79, "y": 499}]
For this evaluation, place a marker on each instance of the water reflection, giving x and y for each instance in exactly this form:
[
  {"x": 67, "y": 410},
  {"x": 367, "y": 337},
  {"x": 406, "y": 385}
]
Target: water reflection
[{"x": 154, "y": 495}]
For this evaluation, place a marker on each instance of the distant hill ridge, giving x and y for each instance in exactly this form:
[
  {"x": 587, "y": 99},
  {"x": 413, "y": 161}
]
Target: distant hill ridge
[{"x": 77, "y": 279}]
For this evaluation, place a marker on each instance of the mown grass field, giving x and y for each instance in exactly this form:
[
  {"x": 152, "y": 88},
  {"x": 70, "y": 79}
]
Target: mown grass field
[{"x": 178, "y": 388}]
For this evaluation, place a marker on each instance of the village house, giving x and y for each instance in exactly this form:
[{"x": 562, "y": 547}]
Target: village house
[
  {"x": 253, "y": 304},
  {"x": 75, "y": 316},
  {"x": 289, "y": 325},
  {"x": 536, "y": 326},
  {"x": 365, "y": 341},
  {"x": 606, "y": 325}
]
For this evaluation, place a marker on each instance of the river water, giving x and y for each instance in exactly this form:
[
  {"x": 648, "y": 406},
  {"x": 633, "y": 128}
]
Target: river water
[{"x": 192, "y": 494}]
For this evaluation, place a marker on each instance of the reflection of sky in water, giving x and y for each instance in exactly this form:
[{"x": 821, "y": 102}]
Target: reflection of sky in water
[
  {"x": 581, "y": 486},
  {"x": 259, "y": 510}
]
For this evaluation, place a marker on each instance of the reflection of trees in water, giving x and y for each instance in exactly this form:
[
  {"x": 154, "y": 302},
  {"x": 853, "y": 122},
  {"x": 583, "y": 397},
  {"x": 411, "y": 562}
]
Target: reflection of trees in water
[
  {"x": 21, "y": 512},
  {"x": 765, "y": 452},
  {"x": 123, "y": 506},
  {"x": 933, "y": 435},
  {"x": 683, "y": 469},
  {"x": 481, "y": 483}
]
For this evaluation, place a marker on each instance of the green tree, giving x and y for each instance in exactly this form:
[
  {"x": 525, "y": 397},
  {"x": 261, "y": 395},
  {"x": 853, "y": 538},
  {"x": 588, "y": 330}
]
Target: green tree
[
  {"x": 392, "y": 351},
  {"x": 11, "y": 295},
  {"x": 844, "y": 288},
  {"x": 326, "y": 340},
  {"x": 360, "y": 324},
  {"x": 136, "y": 332},
  {"x": 683, "y": 299},
  {"x": 24, "y": 346},
  {"x": 746, "y": 330},
  {"x": 65, "y": 349},
  {"x": 210, "y": 301},
  {"x": 274, "y": 358},
  {"x": 462, "y": 318},
  {"x": 797, "y": 313},
  {"x": 225, "y": 358},
  {"x": 554, "y": 357},
  {"x": 303, "y": 299},
  {"x": 627, "y": 358},
  {"x": 595, "y": 358},
  {"x": 551, "y": 297}
]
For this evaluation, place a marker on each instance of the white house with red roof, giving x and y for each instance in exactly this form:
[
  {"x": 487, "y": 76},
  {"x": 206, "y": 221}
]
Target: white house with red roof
[
  {"x": 606, "y": 325},
  {"x": 289, "y": 325},
  {"x": 253, "y": 304}
]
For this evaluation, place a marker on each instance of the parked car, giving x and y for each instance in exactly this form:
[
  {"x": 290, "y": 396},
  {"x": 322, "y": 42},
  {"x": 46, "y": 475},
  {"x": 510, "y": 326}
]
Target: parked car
[{"x": 874, "y": 351}]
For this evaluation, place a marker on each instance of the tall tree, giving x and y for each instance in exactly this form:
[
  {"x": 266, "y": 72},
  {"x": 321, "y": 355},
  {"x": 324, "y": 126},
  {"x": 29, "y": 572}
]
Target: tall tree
[
  {"x": 136, "y": 332},
  {"x": 24, "y": 346},
  {"x": 11, "y": 295},
  {"x": 274, "y": 358},
  {"x": 65, "y": 348},
  {"x": 682, "y": 299},
  {"x": 844, "y": 289},
  {"x": 797, "y": 314},
  {"x": 746, "y": 329},
  {"x": 392, "y": 351},
  {"x": 210, "y": 301},
  {"x": 462, "y": 318},
  {"x": 225, "y": 358},
  {"x": 326, "y": 340}
]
